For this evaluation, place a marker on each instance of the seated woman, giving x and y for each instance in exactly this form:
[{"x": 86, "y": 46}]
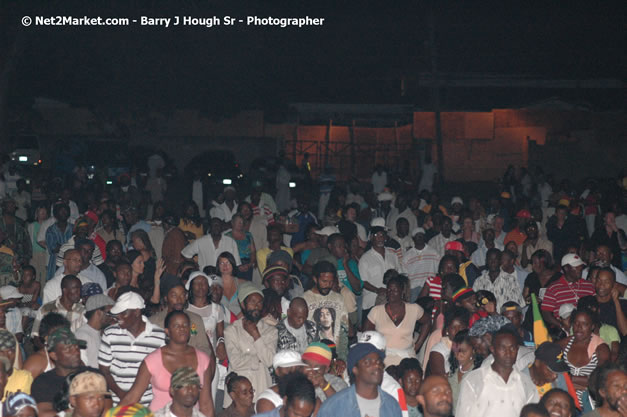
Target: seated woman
[
  {"x": 241, "y": 392},
  {"x": 396, "y": 320},
  {"x": 157, "y": 368},
  {"x": 584, "y": 351}
]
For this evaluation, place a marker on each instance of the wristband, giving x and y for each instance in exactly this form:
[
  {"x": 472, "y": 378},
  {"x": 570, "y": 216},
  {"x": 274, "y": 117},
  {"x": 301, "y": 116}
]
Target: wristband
[
  {"x": 220, "y": 340},
  {"x": 327, "y": 387}
]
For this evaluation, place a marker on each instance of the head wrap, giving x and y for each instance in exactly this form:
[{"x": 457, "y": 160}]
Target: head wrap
[
  {"x": 7, "y": 340},
  {"x": 490, "y": 324},
  {"x": 279, "y": 255},
  {"x": 318, "y": 352},
  {"x": 89, "y": 289},
  {"x": 14, "y": 403},
  {"x": 462, "y": 294},
  {"x": 133, "y": 410}
]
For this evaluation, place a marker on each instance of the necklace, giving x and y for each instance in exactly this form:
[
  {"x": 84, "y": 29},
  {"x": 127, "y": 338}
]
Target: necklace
[
  {"x": 461, "y": 369},
  {"x": 574, "y": 292}
]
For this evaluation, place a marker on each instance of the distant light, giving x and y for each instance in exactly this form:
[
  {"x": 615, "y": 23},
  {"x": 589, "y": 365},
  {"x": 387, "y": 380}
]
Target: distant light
[
  {"x": 209, "y": 174},
  {"x": 227, "y": 181},
  {"x": 39, "y": 161},
  {"x": 292, "y": 185},
  {"x": 90, "y": 176},
  {"x": 109, "y": 182},
  {"x": 23, "y": 158},
  {"x": 27, "y": 181}
]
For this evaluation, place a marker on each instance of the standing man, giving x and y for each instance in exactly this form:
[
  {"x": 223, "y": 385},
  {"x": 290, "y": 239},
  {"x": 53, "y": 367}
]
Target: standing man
[
  {"x": 567, "y": 290},
  {"x": 365, "y": 397},
  {"x": 503, "y": 285},
  {"x": 373, "y": 264},
  {"x": 612, "y": 308},
  {"x": 420, "y": 262},
  {"x": 174, "y": 241},
  {"x": 124, "y": 345},
  {"x": 327, "y": 309},
  {"x": 251, "y": 342},
  {"x": 533, "y": 243},
  {"x": 210, "y": 246},
  {"x": 68, "y": 305},
  {"x": 64, "y": 349},
  {"x": 96, "y": 313},
  {"x": 498, "y": 389},
  {"x": 57, "y": 234},
  {"x": 446, "y": 235}
]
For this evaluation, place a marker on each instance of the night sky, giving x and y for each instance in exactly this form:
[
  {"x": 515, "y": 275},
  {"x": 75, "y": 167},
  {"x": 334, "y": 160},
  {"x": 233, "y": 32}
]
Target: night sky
[{"x": 357, "y": 56}]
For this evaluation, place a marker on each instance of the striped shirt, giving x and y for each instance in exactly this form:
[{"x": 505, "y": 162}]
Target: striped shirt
[
  {"x": 564, "y": 292},
  {"x": 420, "y": 265},
  {"x": 123, "y": 353}
]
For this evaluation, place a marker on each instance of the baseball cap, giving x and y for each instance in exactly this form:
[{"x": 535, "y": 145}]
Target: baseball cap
[
  {"x": 327, "y": 231},
  {"x": 14, "y": 403},
  {"x": 358, "y": 352},
  {"x": 565, "y": 310},
  {"x": 572, "y": 259},
  {"x": 373, "y": 337},
  {"x": 551, "y": 354},
  {"x": 457, "y": 200},
  {"x": 417, "y": 230},
  {"x": 229, "y": 188},
  {"x": 211, "y": 279},
  {"x": 245, "y": 289},
  {"x": 63, "y": 335},
  {"x": 9, "y": 292},
  {"x": 287, "y": 359},
  {"x": 98, "y": 301},
  {"x": 454, "y": 245},
  {"x": 184, "y": 377},
  {"x": 88, "y": 383},
  {"x": 128, "y": 301}
]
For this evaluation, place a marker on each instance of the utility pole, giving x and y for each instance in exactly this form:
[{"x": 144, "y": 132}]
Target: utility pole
[{"x": 435, "y": 91}]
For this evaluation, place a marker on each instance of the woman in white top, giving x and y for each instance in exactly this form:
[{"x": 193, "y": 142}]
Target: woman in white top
[{"x": 455, "y": 320}]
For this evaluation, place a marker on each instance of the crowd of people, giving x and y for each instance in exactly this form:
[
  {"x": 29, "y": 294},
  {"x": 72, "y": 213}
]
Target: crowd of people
[{"x": 388, "y": 302}]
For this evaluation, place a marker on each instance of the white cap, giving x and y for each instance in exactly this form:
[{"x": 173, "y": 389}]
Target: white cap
[
  {"x": 128, "y": 301},
  {"x": 385, "y": 196},
  {"x": 327, "y": 231},
  {"x": 572, "y": 259},
  {"x": 417, "y": 230},
  {"x": 378, "y": 222},
  {"x": 565, "y": 310},
  {"x": 287, "y": 359},
  {"x": 422, "y": 204},
  {"x": 229, "y": 188},
  {"x": 211, "y": 279},
  {"x": 373, "y": 337},
  {"x": 457, "y": 200},
  {"x": 9, "y": 292}
]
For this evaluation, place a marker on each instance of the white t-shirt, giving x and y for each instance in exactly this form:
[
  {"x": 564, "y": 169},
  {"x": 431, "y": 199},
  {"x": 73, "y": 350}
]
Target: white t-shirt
[
  {"x": 369, "y": 408},
  {"x": 211, "y": 314},
  {"x": 207, "y": 251}
]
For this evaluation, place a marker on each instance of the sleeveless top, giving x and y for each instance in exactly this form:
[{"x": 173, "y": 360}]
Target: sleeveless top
[
  {"x": 160, "y": 376},
  {"x": 585, "y": 370}
]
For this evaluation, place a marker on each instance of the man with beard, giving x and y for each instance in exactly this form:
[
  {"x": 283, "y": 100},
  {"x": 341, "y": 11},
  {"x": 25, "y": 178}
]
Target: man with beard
[
  {"x": 251, "y": 342},
  {"x": 365, "y": 397},
  {"x": 185, "y": 392},
  {"x": 612, "y": 392},
  {"x": 435, "y": 397},
  {"x": 327, "y": 308},
  {"x": 497, "y": 389}
]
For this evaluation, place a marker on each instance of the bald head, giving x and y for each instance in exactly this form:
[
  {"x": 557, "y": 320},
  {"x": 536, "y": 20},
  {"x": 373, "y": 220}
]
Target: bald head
[
  {"x": 72, "y": 261},
  {"x": 435, "y": 396},
  {"x": 297, "y": 313}
]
